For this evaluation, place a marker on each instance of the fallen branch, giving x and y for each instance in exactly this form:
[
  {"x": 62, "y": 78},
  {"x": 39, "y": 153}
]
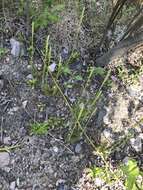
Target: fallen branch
[{"x": 120, "y": 50}]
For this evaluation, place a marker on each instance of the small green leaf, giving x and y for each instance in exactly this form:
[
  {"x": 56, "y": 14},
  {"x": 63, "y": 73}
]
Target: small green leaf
[
  {"x": 97, "y": 172},
  {"x": 66, "y": 70},
  {"x": 99, "y": 71},
  {"x": 131, "y": 171},
  {"x": 39, "y": 128},
  {"x": 78, "y": 78}
]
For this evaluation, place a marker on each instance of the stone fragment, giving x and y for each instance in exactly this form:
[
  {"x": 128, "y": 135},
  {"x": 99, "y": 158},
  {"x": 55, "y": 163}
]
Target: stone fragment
[
  {"x": 12, "y": 185},
  {"x": 16, "y": 48},
  {"x": 4, "y": 159},
  {"x": 78, "y": 148},
  {"x": 136, "y": 143},
  {"x": 7, "y": 140}
]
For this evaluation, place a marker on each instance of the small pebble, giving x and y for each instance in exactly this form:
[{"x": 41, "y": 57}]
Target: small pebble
[
  {"x": 136, "y": 143},
  {"x": 61, "y": 186},
  {"x": 99, "y": 182},
  {"x": 60, "y": 181},
  {"x": 15, "y": 47},
  {"x": 107, "y": 133},
  {"x": 29, "y": 77},
  {"x": 17, "y": 181},
  {"x": 24, "y": 104},
  {"x": 78, "y": 148},
  {"x": 52, "y": 67},
  {"x": 12, "y": 185},
  {"x": 4, "y": 159},
  {"x": 36, "y": 187},
  {"x": 55, "y": 149},
  {"x": 7, "y": 140},
  {"x": 125, "y": 160},
  {"x": 1, "y": 83},
  {"x": 64, "y": 53}
]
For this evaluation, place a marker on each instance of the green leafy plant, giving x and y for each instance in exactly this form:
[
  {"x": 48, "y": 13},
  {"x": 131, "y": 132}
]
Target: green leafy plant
[
  {"x": 41, "y": 128},
  {"x": 128, "y": 172},
  {"x": 85, "y": 109},
  {"x": 41, "y": 13},
  {"x": 99, "y": 71},
  {"x": 106, "y": 174},
  {"x": 131, "y": 171},
  {"x": 49, "y": 14},
  {"x": 3, "y": 51},
  {"x": 32, "y": 83}
]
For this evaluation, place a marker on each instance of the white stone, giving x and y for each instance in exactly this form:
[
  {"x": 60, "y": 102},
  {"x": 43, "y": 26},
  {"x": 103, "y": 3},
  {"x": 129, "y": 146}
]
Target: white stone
[
  {"x": 24, "y": 104},
  {"x": 4, "y": 159},
  {"x": 30, "y": 77},
  {"x": 98, "y": 182},
  {"x": 15, "y": 47},
  {"x": 12, "y": 185},
  {"x": 125, "y": 160},
  {"x": 107, "y": 134},
  {"x": 136, "y": 143},
  {"x": 52, "y": 67},
  {"x": 78, "y": 148},
  {"x": 55, "y": 149},
  {"x": 7, "y": 140},
  {"x": 18, "y": 181}
]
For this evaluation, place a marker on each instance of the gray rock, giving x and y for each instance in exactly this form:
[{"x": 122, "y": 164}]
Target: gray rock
[
  {"x": 55, "y": 149},
  {"x": 60, "y": 181},
  {"x": 64, "y": 53},
  {"x": 135, "y": 91},
  {"x": 98, "y": 182},
  {"x": 50, "y": 170},
  {"x": 4, "y": 159},
  {"x": 36, "y": 187},
  {"x": 12, "y": 185},
  {"x": 136, "y": 143},
  {"x": 1, "y": 83},
  {"x": 61, "y": 186},
  {"x": 7, "y": 140},
  {"x": 29, "y": 77},
  {"x": 52, "y": 67},
  {"x": 107, "y": 137},
  {"x": 24, "y": 103},
  {"x": 78, "y": 148},
  {"x": 125, "y": 160},
  {"x": 12, "y": 110},
  {"x": 101, "y": 115},
  {"x": 17, "y": 181},
  {"x": 22, "y": 131},
  {"x": 16, "y": 48},
  {"x": 75, "y": 158}
]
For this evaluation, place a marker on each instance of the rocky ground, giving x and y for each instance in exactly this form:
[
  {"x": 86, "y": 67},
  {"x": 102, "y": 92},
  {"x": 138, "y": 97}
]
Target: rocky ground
[{"x": 49, "y": 162}]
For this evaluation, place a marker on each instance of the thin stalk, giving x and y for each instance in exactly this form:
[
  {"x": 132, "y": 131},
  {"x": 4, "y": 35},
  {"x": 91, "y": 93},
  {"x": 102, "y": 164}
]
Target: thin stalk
[
  {"x": 80, "y": 23},
  {"x": 75, "y": 117},
  {"x": 45, "y": 60},
  {"x": 88, "y": 79},
  {"x": 97, "y": 96},
  {"x": 59, "y": 68},
  {"x": 77, "y": 120},
  {"x": 100, "y": 89},
  {"x": 83, "y": 107},
  {"x": 79, "y": 125},
  {"x": 32, "y": 49},
  {"x": 8, "y": 148}
]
